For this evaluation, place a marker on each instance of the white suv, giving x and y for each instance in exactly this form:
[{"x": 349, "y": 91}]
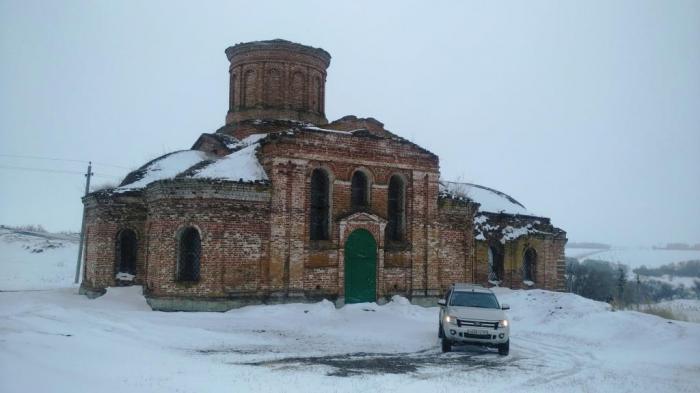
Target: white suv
[{"x": 471, "y": 314}]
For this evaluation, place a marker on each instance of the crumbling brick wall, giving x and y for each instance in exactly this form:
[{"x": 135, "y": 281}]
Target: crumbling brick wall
[
  {"x": 105, "y": 216},
  {"x": 233, "y": 223}
]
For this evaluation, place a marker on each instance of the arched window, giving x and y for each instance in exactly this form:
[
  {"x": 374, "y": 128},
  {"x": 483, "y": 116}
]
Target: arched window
[
  {"x": 396, "y": 215},
  {"x": 320, "y": 204},
  {"x": 359, "y": 197},
  {"x": 126, "y": 252},
  {"x": 495, "y": 264},
  {"x": 190, "y": 251},
  {"x": 529, "y": 265}
]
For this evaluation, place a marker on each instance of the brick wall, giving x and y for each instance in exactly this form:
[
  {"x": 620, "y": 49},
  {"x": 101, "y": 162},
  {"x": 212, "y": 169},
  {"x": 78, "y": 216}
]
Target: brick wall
[
  {"x": 277, "y": 80},
  {"x": 105, "y": 217},
  {"x": 255, "y": 237}
]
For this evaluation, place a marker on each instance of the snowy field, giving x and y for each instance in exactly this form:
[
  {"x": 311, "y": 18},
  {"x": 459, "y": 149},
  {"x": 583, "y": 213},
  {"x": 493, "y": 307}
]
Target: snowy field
[
  {"x": 58, "y": 341},
  {"x": 634, "y": 257},
  {"x": 32, "y": 260},
  {"x": 54, "y": 340}
]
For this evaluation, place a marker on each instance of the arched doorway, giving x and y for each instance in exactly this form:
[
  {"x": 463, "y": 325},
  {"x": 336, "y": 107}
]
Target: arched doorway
[
  {"x": 360, "y": 267},
  {"x": 126, "y": 252},
  {"x": 529, "y": 266}
]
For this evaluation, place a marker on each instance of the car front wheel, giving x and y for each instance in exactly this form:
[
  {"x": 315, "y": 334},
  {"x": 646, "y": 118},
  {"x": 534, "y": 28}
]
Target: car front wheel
[
  {"x": 441, "y": 334},
  {"x": 504, "y": 348},
  {"x": 446, "y": 345}
]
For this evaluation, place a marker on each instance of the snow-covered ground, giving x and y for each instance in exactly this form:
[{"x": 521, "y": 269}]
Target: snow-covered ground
[
  {"x": 58, "y": 341},
  {"x": 31, "y": 260},
  {"x": 55, "y": 340},
  {"x": 634, "y": 257}
]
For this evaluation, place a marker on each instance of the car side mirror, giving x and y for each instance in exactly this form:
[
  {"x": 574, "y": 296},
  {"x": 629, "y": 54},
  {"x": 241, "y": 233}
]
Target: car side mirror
[
  {"x": 442, "y": 302},
  {"x": 505, "y": 307}
]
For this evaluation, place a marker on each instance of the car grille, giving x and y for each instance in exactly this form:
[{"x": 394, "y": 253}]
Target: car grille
[
  {"x": 479, "y": 336},
  {"x": 477, "y": 324}
]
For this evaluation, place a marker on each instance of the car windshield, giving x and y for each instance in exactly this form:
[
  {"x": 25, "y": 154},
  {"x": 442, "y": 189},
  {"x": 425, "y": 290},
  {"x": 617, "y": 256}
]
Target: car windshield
[{"x": 474, "y": 299}]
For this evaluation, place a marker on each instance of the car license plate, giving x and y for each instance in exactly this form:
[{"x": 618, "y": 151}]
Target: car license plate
[{"x": 475, "y": 331}]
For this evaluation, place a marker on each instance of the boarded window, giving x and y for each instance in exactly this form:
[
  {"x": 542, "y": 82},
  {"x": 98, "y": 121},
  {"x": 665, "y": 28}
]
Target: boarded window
[
  {"x": 233, "y": 89},
  {"x": 496, "y": 271},
  {"x": 358, "y": 190},
  {"x": 396, "y": 215},
  {"x": 250, "y": 89},
  {"x": 320, "y": 201},
  {"x": 529, "y": 264},
  {"x": 126, "y": 252},
  {"x": 316, "y": 95},
  {"x": 273, "y": 86},
  {"x": 297, "y": 91},
  {"x": 190, "y": 251}
]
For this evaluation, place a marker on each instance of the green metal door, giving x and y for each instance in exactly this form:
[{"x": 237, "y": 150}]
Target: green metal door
[{"x": 360, "y": 267}]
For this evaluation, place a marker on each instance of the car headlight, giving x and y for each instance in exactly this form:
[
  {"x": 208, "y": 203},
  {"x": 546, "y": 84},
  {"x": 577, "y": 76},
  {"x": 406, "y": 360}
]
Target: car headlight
[
  {"x": 503, "y": 323},
  {"x": 451, "y": 319}
]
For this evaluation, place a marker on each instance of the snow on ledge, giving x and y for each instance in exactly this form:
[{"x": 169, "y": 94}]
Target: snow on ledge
[{"x": 491, "y": 200}]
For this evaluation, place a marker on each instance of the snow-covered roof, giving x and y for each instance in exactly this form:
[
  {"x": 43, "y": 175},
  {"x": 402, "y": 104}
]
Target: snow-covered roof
[
  {"x": 165, "y": 167},
  {"x": 240, "y": 165},
  {"x": 491, "y": 200}
]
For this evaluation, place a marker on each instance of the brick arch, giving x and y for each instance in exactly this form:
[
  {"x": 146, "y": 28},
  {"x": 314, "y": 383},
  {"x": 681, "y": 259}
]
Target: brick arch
[
  {"x": 388, "y": 175},
  {"x": 367, "y": 171},
  {"x": 325, "y": 166}
]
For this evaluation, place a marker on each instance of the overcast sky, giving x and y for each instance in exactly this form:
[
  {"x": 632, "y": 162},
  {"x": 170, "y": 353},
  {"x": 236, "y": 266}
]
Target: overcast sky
[{"x": 587, "y": 112}]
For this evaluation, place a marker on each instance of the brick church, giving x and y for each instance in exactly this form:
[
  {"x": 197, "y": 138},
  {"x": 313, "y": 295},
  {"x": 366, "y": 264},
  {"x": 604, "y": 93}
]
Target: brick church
[{"x": 281, "y": 205}]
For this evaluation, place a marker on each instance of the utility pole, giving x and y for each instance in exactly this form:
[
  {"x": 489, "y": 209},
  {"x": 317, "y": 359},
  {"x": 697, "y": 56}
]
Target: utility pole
[
  {"x": 88, "y": 175},
  {"x": 638, "y": 284}
]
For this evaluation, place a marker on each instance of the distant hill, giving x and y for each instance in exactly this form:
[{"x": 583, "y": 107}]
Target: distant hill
[
  {"x": 678, "y": 246},
  {"x": 588, "y": 245}
]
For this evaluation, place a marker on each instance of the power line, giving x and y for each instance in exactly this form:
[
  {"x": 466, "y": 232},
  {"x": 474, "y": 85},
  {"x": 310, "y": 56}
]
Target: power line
[
  {"x": 21, "y": 168},
  {"x": 60, "y": 159}
]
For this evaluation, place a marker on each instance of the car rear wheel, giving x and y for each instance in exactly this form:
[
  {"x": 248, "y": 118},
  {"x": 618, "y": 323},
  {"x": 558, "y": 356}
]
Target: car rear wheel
[
  {"x": 504, "y": 348},
  {"x": 446, "y": 345}
]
